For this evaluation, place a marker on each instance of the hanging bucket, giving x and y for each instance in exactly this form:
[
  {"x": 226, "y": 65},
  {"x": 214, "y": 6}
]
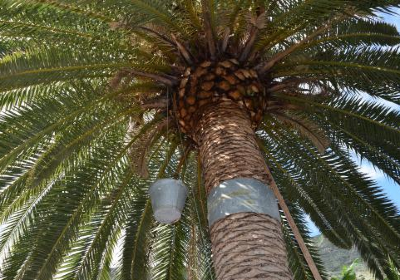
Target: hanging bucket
[{"x": 168, "y": 199}]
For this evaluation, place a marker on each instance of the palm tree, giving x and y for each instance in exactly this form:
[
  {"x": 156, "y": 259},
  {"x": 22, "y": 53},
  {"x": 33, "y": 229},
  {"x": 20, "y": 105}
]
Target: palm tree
[{"x": 101, "y": 98}]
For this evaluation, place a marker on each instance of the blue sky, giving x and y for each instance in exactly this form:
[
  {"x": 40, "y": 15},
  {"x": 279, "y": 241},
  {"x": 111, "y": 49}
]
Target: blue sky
[
  {"x": 388, "y": 186},
  {"x": 392, "y": 189},
  {"x": 393, "y": 19}
]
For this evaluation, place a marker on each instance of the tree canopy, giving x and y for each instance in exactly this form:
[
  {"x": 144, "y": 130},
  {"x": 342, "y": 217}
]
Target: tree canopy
[{"x": 85, "y": 128}]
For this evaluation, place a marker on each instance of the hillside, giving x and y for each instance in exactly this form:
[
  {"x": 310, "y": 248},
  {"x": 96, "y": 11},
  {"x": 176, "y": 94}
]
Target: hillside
[{"x": 335, "y": 258}]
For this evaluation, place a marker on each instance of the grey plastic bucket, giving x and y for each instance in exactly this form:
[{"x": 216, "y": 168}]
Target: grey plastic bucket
[{"x": 168, "y": 199}]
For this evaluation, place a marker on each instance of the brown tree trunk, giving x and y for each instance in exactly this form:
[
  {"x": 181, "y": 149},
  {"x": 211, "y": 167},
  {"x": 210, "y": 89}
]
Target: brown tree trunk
[{"x": 245, "y": 245}]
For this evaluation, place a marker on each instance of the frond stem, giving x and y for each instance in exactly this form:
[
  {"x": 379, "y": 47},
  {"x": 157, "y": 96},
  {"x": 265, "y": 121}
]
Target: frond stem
[
  {"x": 266, "y": 66},
  {"x": 169, "y": 81},
  {"x": 293, "y": 225},
  {"x": 327, "y": 107},
  {"x": 208, "y": 28}
]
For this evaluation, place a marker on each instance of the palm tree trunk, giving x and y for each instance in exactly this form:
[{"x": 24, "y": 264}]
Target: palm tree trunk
[{"x": 245, "y": 245}]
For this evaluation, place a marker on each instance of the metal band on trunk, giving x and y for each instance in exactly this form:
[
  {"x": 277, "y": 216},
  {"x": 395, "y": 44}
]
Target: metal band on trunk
[{"x": 241, "y": 195}]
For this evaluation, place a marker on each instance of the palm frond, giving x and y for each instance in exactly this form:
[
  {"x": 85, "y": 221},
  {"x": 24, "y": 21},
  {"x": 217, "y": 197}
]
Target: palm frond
[
  {"x": 34, "y": 5},
  {"x": 350, "y": 183},
  {"x": 116, "y": 214},
  {"x": 307, "y": 128},
  {"x": 290, "y": 180},
  {"x": 64, "y": 229},
  {"x": 39, "y": 123},
  {"x": 296, "y": 260},
  {"x": 356, "y": 32},
  {"x": 74, "y": 74},
  {"x": 372, "y": 70},
  {"x": 373, "y": 153},
  {"x": 367, "y": 120}
]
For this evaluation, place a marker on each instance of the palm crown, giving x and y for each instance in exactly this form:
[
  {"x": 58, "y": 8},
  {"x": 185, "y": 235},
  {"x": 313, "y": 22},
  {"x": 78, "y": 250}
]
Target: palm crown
[{"x": 101, "y": 98}]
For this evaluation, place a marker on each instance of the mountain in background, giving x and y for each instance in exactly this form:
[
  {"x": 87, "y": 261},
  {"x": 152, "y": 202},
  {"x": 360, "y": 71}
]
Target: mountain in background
[{"x": 335, "y": 258}]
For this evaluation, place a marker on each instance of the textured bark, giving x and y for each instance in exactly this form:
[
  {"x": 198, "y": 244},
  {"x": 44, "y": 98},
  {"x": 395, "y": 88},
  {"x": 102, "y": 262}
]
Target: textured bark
[
  {"x": 245, "y": 245},
  {"x": 249, "y": 246},
  {"x": 211, "y": 82},
  {"x": 228, "y": 148}
]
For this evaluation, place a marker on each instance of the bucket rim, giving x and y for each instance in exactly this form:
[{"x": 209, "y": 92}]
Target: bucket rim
[{"x": 164, "y": 181}]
